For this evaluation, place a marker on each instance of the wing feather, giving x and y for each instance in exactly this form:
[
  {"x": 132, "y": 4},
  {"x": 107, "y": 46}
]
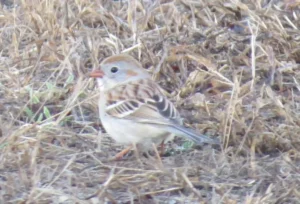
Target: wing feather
[{"x": 145, "y": 102}]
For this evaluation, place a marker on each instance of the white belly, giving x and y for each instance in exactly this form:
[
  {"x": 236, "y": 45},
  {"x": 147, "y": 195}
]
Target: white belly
[{"x": 128, "y": 132}]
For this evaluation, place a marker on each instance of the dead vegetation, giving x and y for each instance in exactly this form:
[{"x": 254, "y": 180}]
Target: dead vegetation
[{"x": 231, "y": 68}]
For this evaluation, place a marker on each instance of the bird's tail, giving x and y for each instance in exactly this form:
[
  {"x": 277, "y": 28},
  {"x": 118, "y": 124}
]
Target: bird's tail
[
  {"x": 180, "y": 130},
  {"x": 193, "y": 135}
]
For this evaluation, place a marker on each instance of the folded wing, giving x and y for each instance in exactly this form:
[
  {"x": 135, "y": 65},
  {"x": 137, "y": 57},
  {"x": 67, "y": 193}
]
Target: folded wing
[{"x": 143, "y": 102}]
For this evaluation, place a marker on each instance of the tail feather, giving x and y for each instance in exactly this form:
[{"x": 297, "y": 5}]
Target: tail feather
[
  {"x": 180, "y": 130},
  {"x": 193, "y": 135}
]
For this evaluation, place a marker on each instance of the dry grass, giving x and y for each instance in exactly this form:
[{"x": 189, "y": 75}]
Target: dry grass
[{"x": 231, "y": 68}]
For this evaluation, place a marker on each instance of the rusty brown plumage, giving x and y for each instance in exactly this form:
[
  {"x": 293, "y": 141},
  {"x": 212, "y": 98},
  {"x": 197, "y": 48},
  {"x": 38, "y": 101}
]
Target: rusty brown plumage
[{"x": 122, "y": 57}]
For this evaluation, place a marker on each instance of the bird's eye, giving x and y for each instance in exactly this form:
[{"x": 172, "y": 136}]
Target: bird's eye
[{"x": 114, "y": 69}]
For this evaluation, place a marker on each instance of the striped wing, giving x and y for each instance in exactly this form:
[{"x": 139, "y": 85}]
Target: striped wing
[{"x": 141, "y": 100}]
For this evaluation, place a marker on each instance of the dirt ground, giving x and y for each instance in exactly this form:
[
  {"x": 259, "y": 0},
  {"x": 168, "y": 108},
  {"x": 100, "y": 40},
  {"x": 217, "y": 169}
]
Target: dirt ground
[{"x": 230, "y": 67}]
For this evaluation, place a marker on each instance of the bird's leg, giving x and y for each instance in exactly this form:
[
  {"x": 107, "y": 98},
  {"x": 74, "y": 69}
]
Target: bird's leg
[
  {"x": 137, "y": 155},
  {"x": 162, "y": 148},
  {"x": 123, "y": 152},
  {"x": 158, "y": 156}
]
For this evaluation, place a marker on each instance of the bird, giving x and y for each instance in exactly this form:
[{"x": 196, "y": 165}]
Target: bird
[{"x": 133, "y": 108}]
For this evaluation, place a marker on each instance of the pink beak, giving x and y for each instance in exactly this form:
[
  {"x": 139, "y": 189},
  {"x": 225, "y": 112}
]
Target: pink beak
[{"x": 97, "y": 74}]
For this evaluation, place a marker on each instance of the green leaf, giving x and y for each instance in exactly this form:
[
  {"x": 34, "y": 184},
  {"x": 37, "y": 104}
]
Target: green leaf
[
  {"x": 35, "y": 99},
  {"x": 188, "y": 145},
  {"x": 49, "y": 86},
  {"x": 3, "y": 145},
  {"x": 65, "y": 120},
  {"x": 69, "y": 80},
  {"x": 46, "y": 112},
  {"x": 30, "y": 91},
  {"x": 40, "y": 118},
  {"x": 28, "y": 112}
]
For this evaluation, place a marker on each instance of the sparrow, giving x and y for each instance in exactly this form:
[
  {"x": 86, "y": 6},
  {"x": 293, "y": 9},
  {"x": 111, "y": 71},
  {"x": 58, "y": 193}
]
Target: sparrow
[{"x": 133, "y": 109}]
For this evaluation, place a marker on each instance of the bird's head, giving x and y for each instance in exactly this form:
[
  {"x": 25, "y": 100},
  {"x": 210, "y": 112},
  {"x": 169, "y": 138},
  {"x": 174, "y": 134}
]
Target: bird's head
[{"x": 117, "y": 70}]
